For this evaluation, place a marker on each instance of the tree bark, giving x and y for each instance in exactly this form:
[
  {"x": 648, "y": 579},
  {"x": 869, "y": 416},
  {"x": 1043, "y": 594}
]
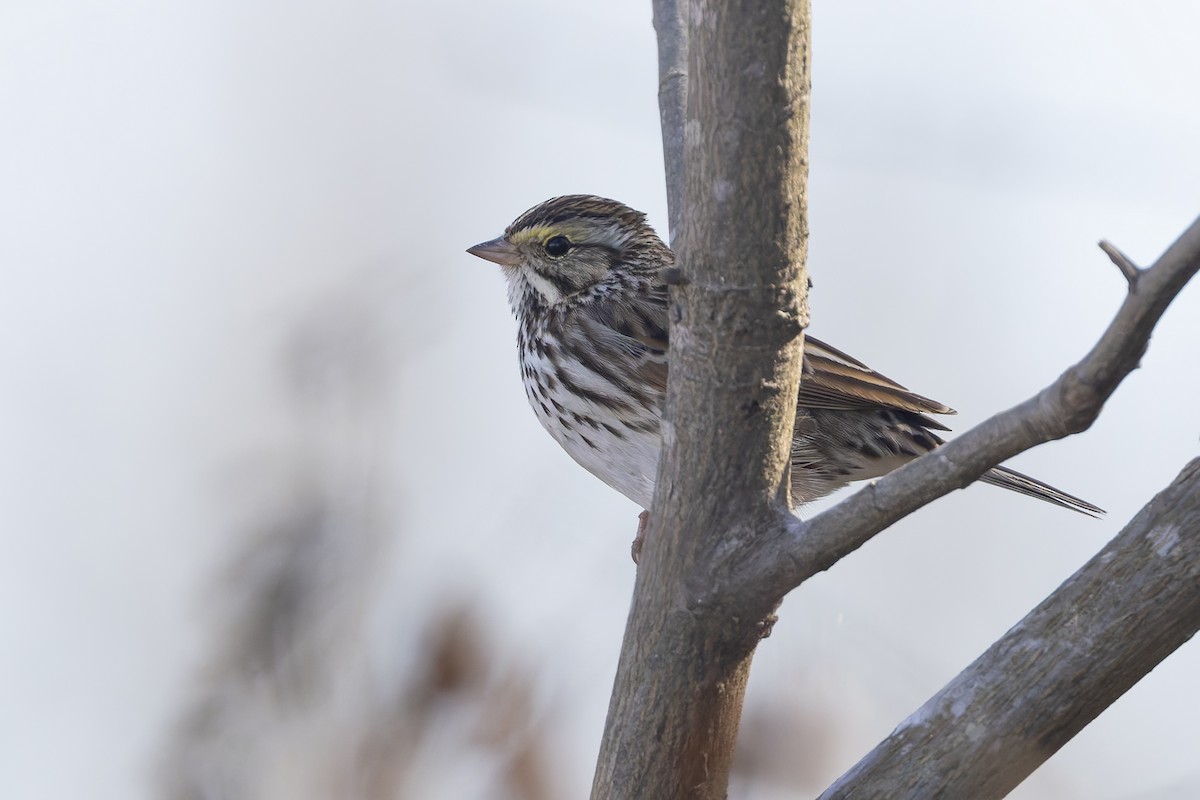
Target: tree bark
[
  {"x": 1069, "y": 405},
  {"x": 1111, "y": 623},
  {"x": 736, "y": 342},
  {"x": 671, "y": 27},
  {"x": 722, "y": 547}
]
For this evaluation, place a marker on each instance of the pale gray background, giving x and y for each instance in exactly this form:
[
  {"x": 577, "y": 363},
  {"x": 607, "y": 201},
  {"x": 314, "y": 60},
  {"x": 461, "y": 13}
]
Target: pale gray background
[{"x": 180, "y": 183}]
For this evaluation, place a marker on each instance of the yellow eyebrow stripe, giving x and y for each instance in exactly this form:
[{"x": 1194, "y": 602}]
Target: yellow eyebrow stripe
[
  {"x": 542, "y": 233},
  {"x": 538, "y": 234}
]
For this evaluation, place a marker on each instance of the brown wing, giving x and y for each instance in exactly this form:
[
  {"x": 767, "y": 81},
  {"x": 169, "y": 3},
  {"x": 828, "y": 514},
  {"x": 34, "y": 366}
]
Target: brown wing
[
  {"x": 832, "y": 380},
  {"x": 835, "y": 381},
  {"x": 633, "y": 332}
]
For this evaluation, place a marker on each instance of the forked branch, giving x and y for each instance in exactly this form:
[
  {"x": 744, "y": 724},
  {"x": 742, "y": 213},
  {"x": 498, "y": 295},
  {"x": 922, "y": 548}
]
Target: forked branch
[
  {"x": 1130, "y": 270},
  {"x": 719, "y": 560},
  {"x": 1069, "y": 405}
]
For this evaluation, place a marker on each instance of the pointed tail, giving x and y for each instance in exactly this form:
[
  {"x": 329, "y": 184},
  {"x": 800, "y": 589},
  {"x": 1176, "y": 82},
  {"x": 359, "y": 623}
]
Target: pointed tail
[{"x": 1011, "y": 479}]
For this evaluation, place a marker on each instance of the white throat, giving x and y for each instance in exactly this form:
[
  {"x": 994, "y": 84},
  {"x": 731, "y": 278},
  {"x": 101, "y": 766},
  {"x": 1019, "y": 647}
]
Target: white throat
[{"x": 522, "y": 279}]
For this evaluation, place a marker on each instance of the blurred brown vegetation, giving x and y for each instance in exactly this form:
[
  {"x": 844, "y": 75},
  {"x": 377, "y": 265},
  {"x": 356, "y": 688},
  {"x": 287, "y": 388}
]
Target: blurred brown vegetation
[{"x": 291, "y": 703}]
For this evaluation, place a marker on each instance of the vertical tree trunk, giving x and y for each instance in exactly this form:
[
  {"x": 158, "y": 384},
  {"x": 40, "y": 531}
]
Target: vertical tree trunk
[
  {"x": 723, "y": 549},
  {"x": 736, "y": 340}
]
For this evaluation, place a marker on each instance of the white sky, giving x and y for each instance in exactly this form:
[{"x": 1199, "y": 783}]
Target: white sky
[{"x": 179, "y": 181}]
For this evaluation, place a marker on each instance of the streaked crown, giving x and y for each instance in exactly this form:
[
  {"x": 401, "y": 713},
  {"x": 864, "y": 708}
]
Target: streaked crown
[{"x": 568, "y": 244}]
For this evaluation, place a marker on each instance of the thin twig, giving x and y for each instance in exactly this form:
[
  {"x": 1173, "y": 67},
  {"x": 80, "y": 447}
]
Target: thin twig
[
  {"x": 1130, "y": 270},
  {"x": 671, "y": 24}
]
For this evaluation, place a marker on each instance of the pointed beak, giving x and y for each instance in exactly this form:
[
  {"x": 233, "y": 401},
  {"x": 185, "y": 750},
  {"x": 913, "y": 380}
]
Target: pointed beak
[{"x": 498, "y": 250}]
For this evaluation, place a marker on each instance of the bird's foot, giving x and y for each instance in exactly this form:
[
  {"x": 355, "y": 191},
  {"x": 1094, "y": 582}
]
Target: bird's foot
[{"x": 635, "y": 549}]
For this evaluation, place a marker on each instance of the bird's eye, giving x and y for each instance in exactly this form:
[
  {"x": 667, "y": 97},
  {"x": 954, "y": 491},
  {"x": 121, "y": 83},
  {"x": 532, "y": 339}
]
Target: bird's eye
[{"x": 558, "y": 246}]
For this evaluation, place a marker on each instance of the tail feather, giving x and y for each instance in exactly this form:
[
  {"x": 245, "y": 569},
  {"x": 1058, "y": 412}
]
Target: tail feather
[{"x": 1006, "y": 478}]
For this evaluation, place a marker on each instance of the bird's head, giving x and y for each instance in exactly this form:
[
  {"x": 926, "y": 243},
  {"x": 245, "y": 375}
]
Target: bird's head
[{"x": 569, "y": 244}]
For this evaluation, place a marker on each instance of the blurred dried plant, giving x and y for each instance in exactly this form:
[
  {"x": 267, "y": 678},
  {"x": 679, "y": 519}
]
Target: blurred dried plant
[{"x": 291, "y": 702}]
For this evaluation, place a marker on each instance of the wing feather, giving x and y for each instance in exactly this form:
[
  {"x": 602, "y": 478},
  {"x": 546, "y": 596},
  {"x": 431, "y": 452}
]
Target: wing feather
[
  {"x": 635, "y": 331},
  {"x": 833, "y": 380},
  {"x": 836, "y": 381}
]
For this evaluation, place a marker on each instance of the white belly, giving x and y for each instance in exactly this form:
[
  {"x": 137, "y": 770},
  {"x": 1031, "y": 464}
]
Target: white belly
[{"x": 619, "y": 447}]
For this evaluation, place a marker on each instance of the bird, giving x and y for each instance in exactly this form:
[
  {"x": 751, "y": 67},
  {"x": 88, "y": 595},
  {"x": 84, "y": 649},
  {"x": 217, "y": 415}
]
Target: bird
[{"x": 585, "y": 279}]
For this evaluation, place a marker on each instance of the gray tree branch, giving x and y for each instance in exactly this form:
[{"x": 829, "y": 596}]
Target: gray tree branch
[
  {"x": 1069, "y": 405},
  {"x": 736, "y": 343},
  {"x": 671, "y": 27},
  {"x": 1108, "y": 625},
  {"x": 723, "y": 548}
]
